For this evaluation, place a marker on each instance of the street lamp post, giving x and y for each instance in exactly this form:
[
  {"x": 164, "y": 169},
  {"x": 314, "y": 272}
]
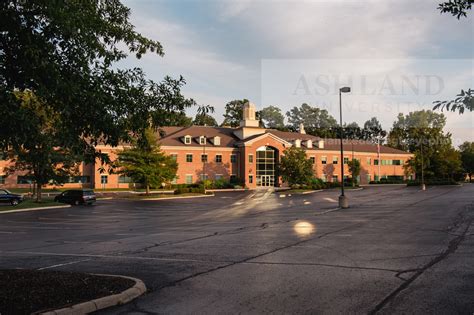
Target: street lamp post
[
  {"x": 343, "y": 202},
  {"x": 204, "y": 158},
  {"x": 423, "y": 187}
]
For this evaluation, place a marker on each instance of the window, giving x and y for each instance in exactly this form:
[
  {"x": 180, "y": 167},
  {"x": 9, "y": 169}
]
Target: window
[
  {"x": 104, "y": 179},
  {"x": 346, "y": 160},
  {"x": 312, "y": 159},
  {"x": 298, "y": 143},
  {"x": 323, "y": 160},
  {"x": 189, "y": 158},
  {"x": 218, "y": 158},
  {"x": 397, "y": 162},
  {"x": 174, "y": 181},
  {"x": 204, "y": 177},
  {"x": 250, "y": 158},
  {"x": 309, "y": 144},
  {"x": 187, "y": 140},
  {"x": 250, "y": 179},
  {"x": 217, "y": 176},
  {"x": 174, "y": 156},
  {"x": 369, "y": 161},
  {"x": 233, "y": 178},
  {"x": 233, "y": 158},
  {"x": 376, "y": 178},
  {"x": 124, "y": 179},
  {"x": 202, "y": 140},
  {"x": 324, "y": 178},
  {"x": 334, "y": 179},
  {"x": 203, "y": 157},
  {"x": 368, "y": 178},
  {"x": 217, "y": 140},
  {"x": 189, "y": 179},
  {"x": 335, "y": 160},
  {"x": 24, "y": 180},
  {"x": 376, "y": 162},
  {"x": 2, "y": 179}
]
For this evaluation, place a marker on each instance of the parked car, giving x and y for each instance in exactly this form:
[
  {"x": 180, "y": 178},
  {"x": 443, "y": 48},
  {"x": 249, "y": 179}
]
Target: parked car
[
  {"x": 76, "y": 197},
  {"x": 7, "y": 196}
]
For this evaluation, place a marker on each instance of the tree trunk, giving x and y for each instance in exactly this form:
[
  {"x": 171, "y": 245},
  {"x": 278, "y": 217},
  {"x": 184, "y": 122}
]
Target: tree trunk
[
  {"x": 147, "y": 186},
  {"x": 38, "y": 192}
]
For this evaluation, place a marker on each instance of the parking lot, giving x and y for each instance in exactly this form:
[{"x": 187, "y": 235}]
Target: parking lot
[{"x": 397, "y": 249}]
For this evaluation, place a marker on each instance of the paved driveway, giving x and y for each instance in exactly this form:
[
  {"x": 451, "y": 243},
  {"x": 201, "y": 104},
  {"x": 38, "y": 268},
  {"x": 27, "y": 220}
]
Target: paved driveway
[{"x": 396, "y": 250}]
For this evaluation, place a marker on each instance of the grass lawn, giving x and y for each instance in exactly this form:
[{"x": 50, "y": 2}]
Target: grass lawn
[{"x": 30, "y": 203}]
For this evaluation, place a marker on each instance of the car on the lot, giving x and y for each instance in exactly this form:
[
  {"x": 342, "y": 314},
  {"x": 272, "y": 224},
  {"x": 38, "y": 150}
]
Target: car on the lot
[
  {"x": 76, "y": 197},
  {"x": 7, "y": 197}
]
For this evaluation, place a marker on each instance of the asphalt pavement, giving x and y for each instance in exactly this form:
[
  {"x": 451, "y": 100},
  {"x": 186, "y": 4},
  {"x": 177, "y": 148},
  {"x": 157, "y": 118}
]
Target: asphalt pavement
[{"x": 395, "y": 250}]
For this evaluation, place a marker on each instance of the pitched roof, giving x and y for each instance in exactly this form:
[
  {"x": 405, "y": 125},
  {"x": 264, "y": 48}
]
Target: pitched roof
[{"x": 173, "y": 137}]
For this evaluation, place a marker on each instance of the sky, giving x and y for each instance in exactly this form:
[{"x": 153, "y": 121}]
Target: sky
[{"x": 397, "y": 56}]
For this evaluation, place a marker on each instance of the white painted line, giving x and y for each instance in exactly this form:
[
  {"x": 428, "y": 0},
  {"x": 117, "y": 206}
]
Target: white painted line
[
  {"x": 65, "y": 264},
  {"x": 307, "y": 202},
  {"x": 35, "y": 209},
  {"x": 329, "y": 199}
]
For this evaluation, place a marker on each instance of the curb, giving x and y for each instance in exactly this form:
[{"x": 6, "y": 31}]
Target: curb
[
  {"x": 104, "y": 302},
  {"x": 168, "y": 198},
  {"x": 35, "y": 209}
]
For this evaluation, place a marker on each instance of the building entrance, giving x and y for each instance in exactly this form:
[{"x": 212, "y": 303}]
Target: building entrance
[{"x": 266, "y": 162}]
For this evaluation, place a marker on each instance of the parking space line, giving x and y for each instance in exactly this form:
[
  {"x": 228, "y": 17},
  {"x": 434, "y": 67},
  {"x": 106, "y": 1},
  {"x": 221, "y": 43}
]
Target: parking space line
[{"x": 65, "y": 264}]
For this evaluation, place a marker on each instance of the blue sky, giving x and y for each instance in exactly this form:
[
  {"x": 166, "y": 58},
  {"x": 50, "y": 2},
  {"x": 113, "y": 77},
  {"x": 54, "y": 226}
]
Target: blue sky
[{"x": 231, "y": 50}]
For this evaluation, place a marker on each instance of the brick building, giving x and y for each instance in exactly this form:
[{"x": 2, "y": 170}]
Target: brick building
[{"x": 248, "y": 153}]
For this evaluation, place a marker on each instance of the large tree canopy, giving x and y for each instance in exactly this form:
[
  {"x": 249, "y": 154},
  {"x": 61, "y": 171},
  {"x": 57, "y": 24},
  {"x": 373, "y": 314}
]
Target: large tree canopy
[
  {"x": 65, "y": 52},
  {"x": 421, "y": 133},
  {"x": 316, "y": 121},
  {"x": 373, "y": 131},
  {"x": 233, "y": 113},
  {"x": 271, "y": 117}
]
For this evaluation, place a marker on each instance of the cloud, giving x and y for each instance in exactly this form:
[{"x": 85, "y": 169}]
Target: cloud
[{"x": 218, "y": 46}]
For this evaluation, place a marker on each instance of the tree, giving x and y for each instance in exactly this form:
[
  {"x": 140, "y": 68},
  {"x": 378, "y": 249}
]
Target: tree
[
  {"x": 317, "y": 122},
  {"x": 272, "y": 117},
  {"x": 354, "y": 169},
  {"x": 233, "y": 113},
  {"x": 295, "y": 167},
  {"x": 467, "y": 158},
  {"x": 352, "y": 131},
  {"x": 457, "y": 8},
  {"x": 464, "y": 100},
  {"x": 66, "y": 53},
  {"x": 41, "y": 158},
  {"x": 204, "y": 119},
  {"x": 145, "y": 163},
  {"x": 421, "y": 133},
  {"x": 373, "y": 131}
]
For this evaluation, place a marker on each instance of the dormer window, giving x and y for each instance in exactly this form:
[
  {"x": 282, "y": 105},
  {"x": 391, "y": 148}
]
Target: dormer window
[
  {"x": 309, "y": 144},
  {"x": 217, "y": 140},
  {"x": 321, "y": 144},
  {"x": 187, "y": 139},
  {"x": 202, "y": 140},
  {"x": 298, "y": 143}
]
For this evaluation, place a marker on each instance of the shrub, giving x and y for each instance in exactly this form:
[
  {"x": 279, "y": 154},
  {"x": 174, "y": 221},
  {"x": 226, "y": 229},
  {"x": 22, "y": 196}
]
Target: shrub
[{"x": 433, "y": 182}]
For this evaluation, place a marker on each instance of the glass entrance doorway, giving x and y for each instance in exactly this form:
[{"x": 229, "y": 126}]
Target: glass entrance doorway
[{"x": 266, "y": 160}]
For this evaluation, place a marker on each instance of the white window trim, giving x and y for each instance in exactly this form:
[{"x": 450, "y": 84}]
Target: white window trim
[{"x": 188, "y": 138}]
